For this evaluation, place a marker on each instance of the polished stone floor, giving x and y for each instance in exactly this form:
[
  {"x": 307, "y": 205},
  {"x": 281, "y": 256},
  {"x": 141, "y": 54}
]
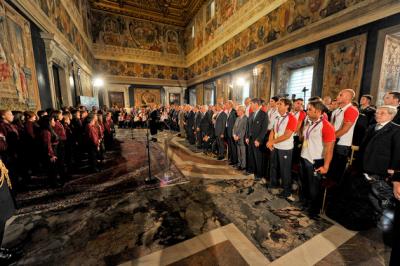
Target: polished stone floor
[{"x": 205, "y": 213}]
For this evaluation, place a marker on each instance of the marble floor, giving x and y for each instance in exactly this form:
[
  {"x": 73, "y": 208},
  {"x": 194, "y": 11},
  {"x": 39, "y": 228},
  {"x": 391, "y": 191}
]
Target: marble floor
[{"x": 202, "y": 212}]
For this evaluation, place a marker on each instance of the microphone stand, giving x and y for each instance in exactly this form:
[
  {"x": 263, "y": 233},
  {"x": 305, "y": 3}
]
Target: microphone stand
[{"x": 150, "y": 179}]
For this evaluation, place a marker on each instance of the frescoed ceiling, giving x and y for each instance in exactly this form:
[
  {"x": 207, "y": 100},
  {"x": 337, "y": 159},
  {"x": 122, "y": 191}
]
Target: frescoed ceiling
[{"x": 173, "y": 12}]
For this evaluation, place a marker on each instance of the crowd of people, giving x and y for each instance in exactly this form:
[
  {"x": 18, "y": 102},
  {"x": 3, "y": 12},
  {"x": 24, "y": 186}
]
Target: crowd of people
[
  {"x": 279, "y": 141},
  {"x": 282, "y": 140},
  {"x": 53, "y": 142},
  {"x": 273, "y": 139}
]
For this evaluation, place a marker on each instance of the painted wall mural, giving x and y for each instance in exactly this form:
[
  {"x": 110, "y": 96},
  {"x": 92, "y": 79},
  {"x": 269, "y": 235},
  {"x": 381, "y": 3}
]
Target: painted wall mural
[
  {"x": 18, "y": 83},
  {"x": 57, "y": 13},
  {"x": 134, "y": 33},
  {"x": 343, "y": 67},
  {"x": 390, "y": 70},
  {"x": 286, "y": 19},
  {"x": 138, "y": 70},
  {"x": 144, "y": 97}
]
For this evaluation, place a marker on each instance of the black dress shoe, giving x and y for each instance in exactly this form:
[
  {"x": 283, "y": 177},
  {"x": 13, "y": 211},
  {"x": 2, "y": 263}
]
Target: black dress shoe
[
  {"x": 6, "y": 258},
  {"x": 220, "y": 158}
]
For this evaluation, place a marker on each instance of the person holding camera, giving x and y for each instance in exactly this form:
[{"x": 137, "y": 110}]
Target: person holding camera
[{"x": 316, "y": 154}]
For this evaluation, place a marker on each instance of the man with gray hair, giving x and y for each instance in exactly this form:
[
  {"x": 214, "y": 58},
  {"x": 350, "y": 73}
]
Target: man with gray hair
[
  {"x": 239, "y": 132},
  {"x": 380, "y": 149}
]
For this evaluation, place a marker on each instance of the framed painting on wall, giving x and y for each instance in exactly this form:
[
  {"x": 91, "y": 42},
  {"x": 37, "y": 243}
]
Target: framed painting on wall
[
  {"x": 145, "y": 97},
  {"x": 116, "y": 98},
  {"x": 174, "y": 98},
  {"x": 344, "y": 61}
]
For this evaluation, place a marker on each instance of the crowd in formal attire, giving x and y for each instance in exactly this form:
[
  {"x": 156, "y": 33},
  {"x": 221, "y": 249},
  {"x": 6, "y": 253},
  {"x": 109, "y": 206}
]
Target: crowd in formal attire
[
  {"x": 49, "y": 143},
  {"x": 281, "y": 142}
]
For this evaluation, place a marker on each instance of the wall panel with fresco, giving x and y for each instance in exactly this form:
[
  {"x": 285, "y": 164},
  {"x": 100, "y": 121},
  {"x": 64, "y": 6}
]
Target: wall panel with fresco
[
  {"x": 138, "y": 70},
  {"x": 18, "y": 82},
  {"x": 288, "y": 18},
  {"x": 109, "y": 29},
  {"x": 59, "y": 16}
]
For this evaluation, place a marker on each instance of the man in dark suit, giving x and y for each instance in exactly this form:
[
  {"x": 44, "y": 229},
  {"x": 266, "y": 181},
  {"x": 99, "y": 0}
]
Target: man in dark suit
[
  {"x": 220, "y": 124},
  {"x": 190, "y": 121},
  {"x": 393, "y": 99},
  {"x": 154, "y": 118},
  {"x": 232, "y": 152},
  {"x": 366, "y": 108},
  {"x": 206, "y": 128},
  {"x": 381, "y": 146},
  {"x": 197, "y": 120},
  {"x": 256, "y": 136}
]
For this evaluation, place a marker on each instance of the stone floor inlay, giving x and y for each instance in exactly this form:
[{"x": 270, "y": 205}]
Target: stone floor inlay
[{"x": 113, "y": 217}]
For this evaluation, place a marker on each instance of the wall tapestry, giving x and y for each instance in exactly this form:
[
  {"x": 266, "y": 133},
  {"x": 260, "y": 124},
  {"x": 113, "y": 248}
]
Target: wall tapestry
[
  {"x": 18, "y": 81},
  {"x": 144, "y": 97},
  {"x": 343, "y": 68},
  {"x": 390, "y": 70},
  {"x": 86, "y": 84},
  {"x": 263, "y": 80}
]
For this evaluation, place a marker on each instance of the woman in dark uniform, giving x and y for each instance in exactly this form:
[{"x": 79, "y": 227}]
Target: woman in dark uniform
[
  {"x": 49, "y": 144},
  {"x": 7, "y": 208}
]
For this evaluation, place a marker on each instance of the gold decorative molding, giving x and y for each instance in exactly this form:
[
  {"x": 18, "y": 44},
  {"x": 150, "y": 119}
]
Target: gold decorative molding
[
  {"x": 118, "y": 53},
  {"x": 30, "y": 9},
  {"x": 241, "y": 20},
  {"x": 110, "y": 79},
  {"x": 352, "y": 17}
]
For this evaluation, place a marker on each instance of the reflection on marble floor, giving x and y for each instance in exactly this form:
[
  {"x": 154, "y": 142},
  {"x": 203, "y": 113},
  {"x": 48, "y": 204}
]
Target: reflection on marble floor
[{"x": 113, "y": 217}]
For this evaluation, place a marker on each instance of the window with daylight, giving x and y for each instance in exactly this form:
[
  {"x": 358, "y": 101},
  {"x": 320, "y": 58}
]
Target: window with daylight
[
  {"x": 298, "y": 79},
  {"x": 246, "y": 91}
]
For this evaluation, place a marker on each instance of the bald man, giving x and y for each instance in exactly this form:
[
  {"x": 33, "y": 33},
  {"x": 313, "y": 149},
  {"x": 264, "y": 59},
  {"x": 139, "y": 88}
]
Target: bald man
[{"x": 343, "y": 119}]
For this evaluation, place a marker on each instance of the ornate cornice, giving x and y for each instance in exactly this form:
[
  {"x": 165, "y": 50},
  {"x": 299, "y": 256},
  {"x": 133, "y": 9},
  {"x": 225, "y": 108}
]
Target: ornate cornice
[
  {"x": 118, "y": 53},
  {"x": 144, "y": 81}
]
